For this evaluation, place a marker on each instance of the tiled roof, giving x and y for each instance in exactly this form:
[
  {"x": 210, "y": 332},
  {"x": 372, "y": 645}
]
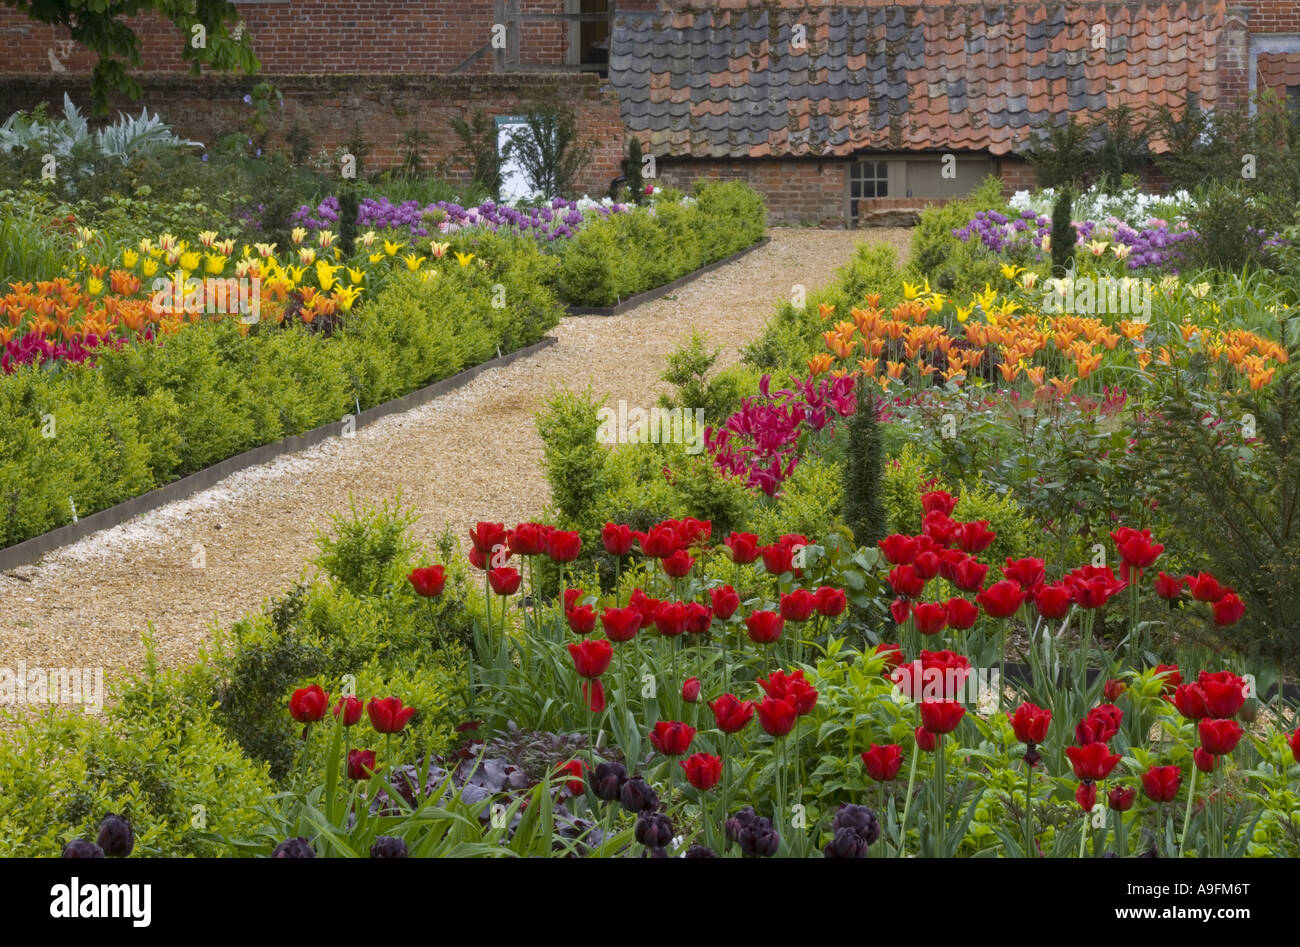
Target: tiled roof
[
  {"x": 1278, "y": 71},
  {"x": 974, "y": 76}
]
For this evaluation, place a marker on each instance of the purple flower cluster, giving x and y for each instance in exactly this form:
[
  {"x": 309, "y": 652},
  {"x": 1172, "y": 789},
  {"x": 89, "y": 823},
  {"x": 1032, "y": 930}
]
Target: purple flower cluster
[
  {"x": 34, "y": 349},
  {"x": 768, "y": 431},
  {"x": 1156, "y": 245},
  {"x": 999, "y": 232},
  {"x": 554, "y": 221}
]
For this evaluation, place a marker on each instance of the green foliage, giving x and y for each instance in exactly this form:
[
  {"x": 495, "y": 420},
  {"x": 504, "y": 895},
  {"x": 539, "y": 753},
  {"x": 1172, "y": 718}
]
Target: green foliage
[
  {"x": 613, "y": 257},
  {"x": 864, "y": 512},
  {"x": 809, "y": 503},
  {"x": 349, "y": 207},
  {"x": 478, "y": 138},
  {"x": 547, "y": 149},
  {"x": 635, "y": 183},
  {"x": 1228, "y": 218},
  {"x": 1064, "y": 234},
  {"x": 951, "y": 266},
  {"x": 1070, "y": 154},
  {"x": 688, "y": 371},
  {"x": 365, "y": 547},
  {"x": 571, "y": 455}
]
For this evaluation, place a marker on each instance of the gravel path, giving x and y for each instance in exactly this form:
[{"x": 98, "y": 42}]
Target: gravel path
[{"x": 472, "y": 454}]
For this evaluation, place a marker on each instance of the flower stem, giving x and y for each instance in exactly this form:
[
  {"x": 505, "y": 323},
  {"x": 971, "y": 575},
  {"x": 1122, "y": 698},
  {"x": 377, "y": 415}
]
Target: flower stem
[
  {"x": 1187, "y": 816},
  {"x": 907, "y": 801}
]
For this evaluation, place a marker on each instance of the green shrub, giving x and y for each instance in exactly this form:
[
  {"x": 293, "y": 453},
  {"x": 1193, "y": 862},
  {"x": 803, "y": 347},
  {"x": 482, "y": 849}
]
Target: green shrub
[
  {"x": 809, "y": 503},
  {"x": 571, "y": 455},
  {"x": 864, "y": 513}
]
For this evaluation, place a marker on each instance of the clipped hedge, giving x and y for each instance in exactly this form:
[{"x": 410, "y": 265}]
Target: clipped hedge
[
  {"x": 151, "y": 413},
  {"x": 624, "y": 254}
]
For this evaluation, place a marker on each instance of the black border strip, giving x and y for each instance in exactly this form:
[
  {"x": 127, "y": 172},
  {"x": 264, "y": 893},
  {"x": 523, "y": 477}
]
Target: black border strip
[
  {"x": 31, "y": 550},
  {"x": 624, "y": 305}
]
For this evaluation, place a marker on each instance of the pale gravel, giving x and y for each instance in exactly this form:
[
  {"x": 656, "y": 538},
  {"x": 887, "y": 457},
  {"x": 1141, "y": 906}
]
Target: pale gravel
[{"x": 472, "y": 454}]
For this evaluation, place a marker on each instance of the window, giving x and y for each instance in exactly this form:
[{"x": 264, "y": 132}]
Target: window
[
  {"x": 1293, "y": 96},
  {"x": 866, "y": 179}
]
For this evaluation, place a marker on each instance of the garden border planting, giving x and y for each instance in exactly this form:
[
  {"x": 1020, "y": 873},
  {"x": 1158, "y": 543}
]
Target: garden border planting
[
  {"x": 31, "y": 550},
  {"x": 651, "y": 294}
]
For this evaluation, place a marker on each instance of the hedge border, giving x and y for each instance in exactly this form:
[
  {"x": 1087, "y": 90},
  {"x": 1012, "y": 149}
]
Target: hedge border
[
  {"x": 624, "y": 305},
  {"x": 30, "y": 551}
]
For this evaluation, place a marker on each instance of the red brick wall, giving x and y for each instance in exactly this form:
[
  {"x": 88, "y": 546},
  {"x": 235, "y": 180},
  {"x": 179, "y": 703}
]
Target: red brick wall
[
  {"x": 385, "y": 108},
  {"x": 798, "y": 191},
  {"x": 1016, "y": 175},
  {"x": 314, "y": 36}
]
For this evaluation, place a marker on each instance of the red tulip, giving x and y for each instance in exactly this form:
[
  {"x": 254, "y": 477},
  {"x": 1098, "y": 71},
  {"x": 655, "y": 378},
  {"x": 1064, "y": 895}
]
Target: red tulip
[
  {"x": 941, "y": 716},
  {"x": 1161, "y": 783},
  {"x": 660, "y": 542},
  {"x": 486, "y": 537},
  {"x": 1170, "y": 677},
  {"x": 1100, "y": 725},
  {"x": 1203, "y": 759},
  {"x": 1085, "y": 794},
  {"x": 428, "y": 581},
  {"x": 927, "y": 564},
  {"x": 1135, "y": 548},
  {"x": 645, "y": 605},
  {"x": 672, "y": 737},
  {"x": 883, "y": 762},
  {"x": 691, "y": 690},
  {"x": 892, "y": 654},
  {"x": 1093, "y": 586},
  {"x": 725, "y": 602},
  {"x": 1052, "y": 601},
  {"x": 1030, "y": 723},
  {"x": 702, "y": 770},
  {"x": 678, "y": 565},
  {"x": 968, "y": 575},
  {"x": 1224, "y": 692},
  {"x": 573, "y": 768},
  {"x": 621, "y": 624},
  {"x": 939, "y": 528},
  {"x": 1190, "y": 701},
  {"x": 1112, "y": 690},
  {"x": 776, "y": 716},
  {"x": 925, "y": 740},
  {"x": 698, "y": 618},
  {"x": 1029, "y": 572},
  {"x": 591, "y": 656},
  {"x": 1093, "y": 761},
  {"x": 831, "y": 602},
  {"x": 1169, "y": 586},
  {"x": 527, "y": 539},
  {"x": 962, "y": 613},
  {"x": 731, "y": 714},
  {"x": 933, "y": 675},
  {"x": 361, "y": 764},
  {"x": 308, "y": 704},
  {"x": 582, "y": 621},
  {"x": 906, "y": 581},
  {"x": 670, "y": 619},
  {"x": 792, "y": 688},
  {"x": 1228, "y": 610},
  {"x": 778, "y": 559},
  {"x": 595, "y": 695},
  {"x": 798, "y": 605},
  {"x": 1294, "y": 741},
  {"x": 899, "y": 550},
  {"x": 563, "y": 545},
  {"x": 975, "y": 537},
  {"x": 1001, "y": 599},
  {"x": 743, "y": 547},
  {"x": 387, "y": 715},
  {"x": 1205, "y": 587},
  {"x": 1120, "y": 798},
  {"x": 938, "y": 501},
  {"x": 350, "y": 708},
  {"x": 504, "y": 581},
  {"x": 617, "y": 539},
  {"x": 900, "y": 608},
  {"x": 764, "y": 627},
  {"x": 930, "y": 617}
]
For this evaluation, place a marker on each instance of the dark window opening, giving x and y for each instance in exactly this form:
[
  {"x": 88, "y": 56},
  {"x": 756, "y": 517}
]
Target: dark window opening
[{"x": 867, "y": 179}]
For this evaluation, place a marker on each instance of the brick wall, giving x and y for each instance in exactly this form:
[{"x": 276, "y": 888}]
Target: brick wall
[
  {"x": 798, "y": 191},
  {"x": 385, "y": 108}
]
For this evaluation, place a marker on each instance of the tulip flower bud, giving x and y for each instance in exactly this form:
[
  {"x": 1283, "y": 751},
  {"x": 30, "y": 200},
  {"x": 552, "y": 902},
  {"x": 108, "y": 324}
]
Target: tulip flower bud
[
  {"x": 700, "y": 851},
  {"x": 758, "y": 838},
  {"x": 859, "y": 819},
  {"x": 294, "y": 848},
  {"x": 653, "y": 829},
  {"x": 637, "y": 796},
  {"x": 386, "y": 846},
  {"x": 115, "y": 836},
  {"x": 847, "y": 844},
  {"x": 607, "y": 781},
  {"x": 80, "y": 848}
]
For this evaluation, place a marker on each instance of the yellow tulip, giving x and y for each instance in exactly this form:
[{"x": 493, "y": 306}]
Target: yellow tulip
[
  {"x": 376, "y": 257},
  {"x": 325, "y": 274},
  {"x": 207, "y": 237},
  {"x": 298, "y": 234},
  {"x": 325, "y": 238},
  {"x": 149, "y": 267},
  {"x": 1011, "y": 271},
  {"x": 130, "y": 258},
  {"x": 464, "y": 258},
  {"x": 391, "y": 248},
  {"x": 190, "y": 260},
  {"x": 438, "y": 248},
  {"x": 215, "y": 263},
  {"x": 356, "y": 275},
  {"x": 94, "y": 286},
  {"x": 413, "y": 262}
]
